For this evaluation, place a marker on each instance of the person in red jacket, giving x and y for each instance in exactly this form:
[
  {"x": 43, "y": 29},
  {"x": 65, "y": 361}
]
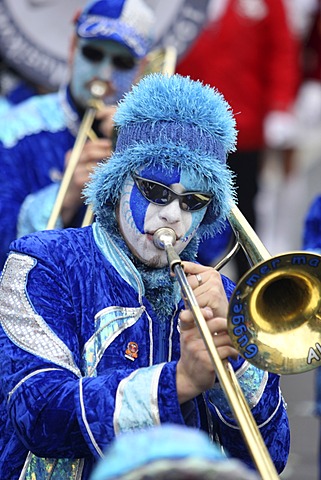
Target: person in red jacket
[{"x": 248, "y": 52}]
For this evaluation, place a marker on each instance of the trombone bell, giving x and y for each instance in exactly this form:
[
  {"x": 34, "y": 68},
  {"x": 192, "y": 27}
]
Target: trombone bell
[
  {"x": 275, "y": 314},
  {"x": 274, "y": 317}
]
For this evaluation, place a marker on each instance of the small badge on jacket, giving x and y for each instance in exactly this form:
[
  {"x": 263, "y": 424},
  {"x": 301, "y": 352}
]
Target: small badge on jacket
[{"x": 131, "y": 351}]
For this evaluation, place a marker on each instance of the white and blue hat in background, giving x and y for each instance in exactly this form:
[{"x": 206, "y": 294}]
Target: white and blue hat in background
[{"x": 128, "y": 22}]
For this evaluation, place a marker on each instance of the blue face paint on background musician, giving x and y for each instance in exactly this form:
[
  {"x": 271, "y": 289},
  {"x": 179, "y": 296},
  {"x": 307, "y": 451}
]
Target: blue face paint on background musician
[{"x": 108, "y": 62}]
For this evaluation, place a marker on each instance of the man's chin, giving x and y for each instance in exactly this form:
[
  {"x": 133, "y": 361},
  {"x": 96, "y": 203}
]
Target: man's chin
[
  {"x": 157, "y": 261},
  {"x": 156, "y": 264}
]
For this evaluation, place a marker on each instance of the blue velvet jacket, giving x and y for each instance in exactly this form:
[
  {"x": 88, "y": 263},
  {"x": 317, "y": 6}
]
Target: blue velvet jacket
[
  {"x": 34, "y": 137},
  {"x": 83, "y": 357}
]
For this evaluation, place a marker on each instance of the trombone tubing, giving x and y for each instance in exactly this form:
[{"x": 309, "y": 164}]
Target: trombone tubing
[
  {"x": 252, "y": 246},
  {"x": 227, "y": 378},
  {"x": 74, "y": 158}
]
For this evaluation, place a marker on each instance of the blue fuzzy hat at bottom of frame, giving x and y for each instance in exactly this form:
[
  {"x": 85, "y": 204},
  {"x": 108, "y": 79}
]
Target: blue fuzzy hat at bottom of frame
[
  {"x": 168, "y": 452},
  {"x": 171, "y": 122}
]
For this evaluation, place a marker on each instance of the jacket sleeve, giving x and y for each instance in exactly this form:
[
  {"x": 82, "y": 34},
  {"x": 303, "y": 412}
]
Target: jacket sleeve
[
  {"x": 312, "y": 226},
  {"x": 33, "y": 143},
  {"x": 36, "y": 209},
  {"x": 263, "y": 395},
  {"x": 13, "y": 189},
  {"x": 23, "y": 174}
]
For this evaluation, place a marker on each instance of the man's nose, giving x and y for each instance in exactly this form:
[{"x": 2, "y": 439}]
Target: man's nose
[
  {"x": 106, "y": 69},
  {"x": 171, "y": 213}
]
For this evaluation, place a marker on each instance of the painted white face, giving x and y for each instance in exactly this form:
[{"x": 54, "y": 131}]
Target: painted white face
[
  {"x": 139, "y": 219},
  {"x": 106, "y": 61}
]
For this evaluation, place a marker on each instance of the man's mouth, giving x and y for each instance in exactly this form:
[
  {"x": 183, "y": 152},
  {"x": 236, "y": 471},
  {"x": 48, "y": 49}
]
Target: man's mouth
[
  {"x": 150, "y": 236},
  {"x": 100, "y": 89}
]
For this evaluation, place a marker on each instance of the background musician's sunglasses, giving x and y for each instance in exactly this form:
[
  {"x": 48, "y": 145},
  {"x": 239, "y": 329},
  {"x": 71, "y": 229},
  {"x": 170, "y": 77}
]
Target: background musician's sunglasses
[
  {"x": 160, "y": 194},
  {"x": 95, "y": 55}
]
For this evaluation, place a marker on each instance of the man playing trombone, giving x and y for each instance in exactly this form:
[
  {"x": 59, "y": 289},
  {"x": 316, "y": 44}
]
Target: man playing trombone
[
  {"x": 95, "y": 336},
  {"x": 111, "y": 40}
]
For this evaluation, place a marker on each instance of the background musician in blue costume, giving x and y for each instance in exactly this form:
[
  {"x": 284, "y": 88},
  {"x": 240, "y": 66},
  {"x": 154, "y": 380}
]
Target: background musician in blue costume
[
  {"x": 95, "y": 339},
  {"x": 110, "y": 42}
]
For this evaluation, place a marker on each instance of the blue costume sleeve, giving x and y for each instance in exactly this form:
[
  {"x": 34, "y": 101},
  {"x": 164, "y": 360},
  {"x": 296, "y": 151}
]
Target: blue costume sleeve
[
  {"x": 312, "y": 243},
  {"x": 36, "y": 209},
  {"x": 13, "y": 189},
  {"x": 312, "y": 227},
  {"x": 263, "y": 395},
  {"x": 33, "y": 141}
]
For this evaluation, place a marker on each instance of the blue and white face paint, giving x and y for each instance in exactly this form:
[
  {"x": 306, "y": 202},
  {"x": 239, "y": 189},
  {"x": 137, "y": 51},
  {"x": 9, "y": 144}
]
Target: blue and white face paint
[
  {"x": 112, "y": 65},
  {"x": 139, "y": 219}
]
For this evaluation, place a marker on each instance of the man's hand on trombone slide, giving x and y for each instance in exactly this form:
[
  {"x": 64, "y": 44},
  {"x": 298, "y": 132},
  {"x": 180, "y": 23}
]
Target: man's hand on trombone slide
[
  {"x": 195, "y": 370},
  {"x": 95, "y": 151}
]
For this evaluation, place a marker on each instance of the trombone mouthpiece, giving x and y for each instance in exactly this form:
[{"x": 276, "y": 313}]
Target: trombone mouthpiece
[
  {"x": 98, "y": 89},
  {"x": 164, "y": 237}
]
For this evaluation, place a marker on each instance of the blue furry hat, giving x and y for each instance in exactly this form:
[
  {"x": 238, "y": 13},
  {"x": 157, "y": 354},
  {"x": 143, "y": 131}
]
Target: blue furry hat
[{"x": 170, "y": 122}]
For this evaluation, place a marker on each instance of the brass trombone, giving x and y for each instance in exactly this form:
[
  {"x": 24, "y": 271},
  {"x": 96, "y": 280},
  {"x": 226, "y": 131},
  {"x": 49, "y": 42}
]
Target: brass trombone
[
  {"x": 98, "y": 90},
  {"x": 275, "y": 311},
  {"x": 297, "y": 303},
  {"x": 161, "y": 59}
]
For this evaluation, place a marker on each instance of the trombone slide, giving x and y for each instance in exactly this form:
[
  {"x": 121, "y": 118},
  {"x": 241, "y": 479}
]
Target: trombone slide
[
  {"x": 98, "y": 90},
  {"x": 74, "y": 158},
  {"x": 165, "y": 238}
]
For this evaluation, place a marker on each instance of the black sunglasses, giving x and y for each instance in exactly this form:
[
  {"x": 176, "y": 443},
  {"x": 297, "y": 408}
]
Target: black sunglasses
[
  {"x": 160, "y": 194},
  {"x": 95, "y": 55}
]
